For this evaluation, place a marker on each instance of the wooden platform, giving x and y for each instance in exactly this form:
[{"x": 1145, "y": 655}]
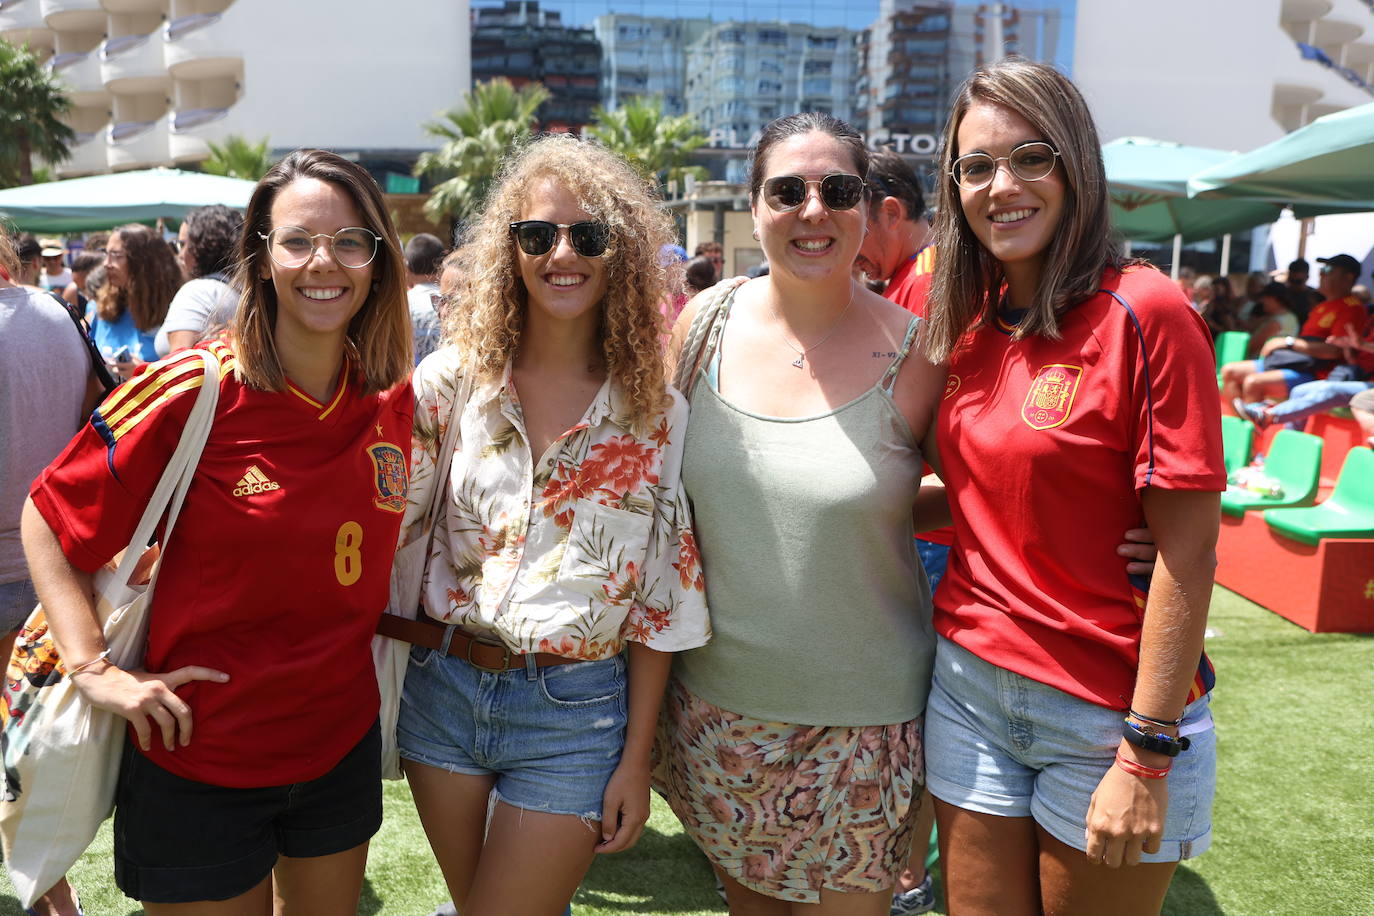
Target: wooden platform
[{"x": 1325, "y": 589}]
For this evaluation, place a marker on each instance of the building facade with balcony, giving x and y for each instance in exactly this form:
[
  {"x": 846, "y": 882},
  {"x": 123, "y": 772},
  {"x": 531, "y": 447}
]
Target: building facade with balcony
[
  {"x": 1230, "y": 75},
  {"x": 741, "y": 75},
  {"x": 526, "y": 44},
  {"x": 153, "y": 82},
  {"x": 646, "y": 55}
]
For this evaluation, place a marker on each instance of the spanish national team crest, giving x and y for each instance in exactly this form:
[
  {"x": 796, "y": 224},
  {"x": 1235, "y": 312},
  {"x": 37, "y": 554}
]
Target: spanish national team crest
[
  {"x": 389, "y": 463},
  {"x": 1050, "y": 398}
]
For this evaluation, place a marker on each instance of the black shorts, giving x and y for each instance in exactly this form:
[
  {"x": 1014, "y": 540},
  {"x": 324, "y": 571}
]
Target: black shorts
[{"x": 181, "y": 841}]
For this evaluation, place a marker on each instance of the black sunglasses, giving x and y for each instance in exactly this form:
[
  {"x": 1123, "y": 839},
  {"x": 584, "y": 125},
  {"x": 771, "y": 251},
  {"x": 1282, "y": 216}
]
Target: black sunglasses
[
  {"x": 839, "y": 191},
  {"x": 536, "y": 236}
]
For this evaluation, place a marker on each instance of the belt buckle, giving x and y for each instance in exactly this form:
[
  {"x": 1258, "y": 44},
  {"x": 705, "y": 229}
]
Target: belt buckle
[{"x": 505, "y": 655}]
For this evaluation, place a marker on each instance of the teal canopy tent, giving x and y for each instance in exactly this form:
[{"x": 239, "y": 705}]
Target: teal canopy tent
[
  {"x": 1148, "y": 182},
  {"x": 1331, "y": 159},
  {"x": 104, "y": 201}
]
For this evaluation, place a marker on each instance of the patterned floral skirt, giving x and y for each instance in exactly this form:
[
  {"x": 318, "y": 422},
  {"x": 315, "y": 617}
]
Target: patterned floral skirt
[{"x": 789, "y": 809}]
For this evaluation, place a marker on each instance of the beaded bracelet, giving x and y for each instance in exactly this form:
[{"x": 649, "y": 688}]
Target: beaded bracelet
[
  {"x": 102, "y": 657},
  {"x": 1162, "y": 723},
  {"x": 1140, "y": 769}
]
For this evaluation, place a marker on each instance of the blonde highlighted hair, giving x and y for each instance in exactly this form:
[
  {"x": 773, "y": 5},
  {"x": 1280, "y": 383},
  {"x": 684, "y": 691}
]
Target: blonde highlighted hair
[
  {"x": 968, "y": 280},
  {"x": 488, "y": 315},
  {"x": 152, "y": 279},
  {"x": 379, "y": 337}
]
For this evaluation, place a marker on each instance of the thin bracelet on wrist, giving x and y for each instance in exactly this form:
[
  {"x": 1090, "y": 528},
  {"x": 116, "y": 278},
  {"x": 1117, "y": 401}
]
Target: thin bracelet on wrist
[
  {"x": 1162, "y": 723},
  {"x": 86, "y": 665},
  {"x": 1140, "y": 769}
]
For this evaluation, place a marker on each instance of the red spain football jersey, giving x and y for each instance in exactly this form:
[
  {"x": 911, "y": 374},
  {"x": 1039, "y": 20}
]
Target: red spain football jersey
[
  {"x": 1046, "y": 446},
  {"x": 909, "y": 284},
  {"x": 278, "y": 567},
  {"x": 1331, "y": 317}
]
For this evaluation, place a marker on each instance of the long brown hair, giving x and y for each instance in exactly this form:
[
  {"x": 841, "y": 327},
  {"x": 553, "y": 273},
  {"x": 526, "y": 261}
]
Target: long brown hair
[
  {"x": 968, "y": 280},
  {"x": 379, "y": 337},
  {"x": 152, "y": 278},
  {"x": 489, "y": 316}
]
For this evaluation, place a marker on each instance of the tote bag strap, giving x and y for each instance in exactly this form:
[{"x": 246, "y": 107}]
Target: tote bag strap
[
  {"x": 176, "y": 477},
  {"x": 703, "y": 333},
  {"x": 444, "y": 462}
]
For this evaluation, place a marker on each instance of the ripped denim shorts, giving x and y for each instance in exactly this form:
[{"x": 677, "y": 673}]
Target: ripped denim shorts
[{"x": 552, "y": 736}]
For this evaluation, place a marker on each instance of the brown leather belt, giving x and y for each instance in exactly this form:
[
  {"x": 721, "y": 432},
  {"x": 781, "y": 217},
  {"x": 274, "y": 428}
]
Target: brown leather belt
[{"x": 480, "y": 653}]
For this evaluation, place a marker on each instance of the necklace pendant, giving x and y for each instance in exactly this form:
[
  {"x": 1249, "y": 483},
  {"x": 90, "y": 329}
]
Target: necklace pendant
[{"x": 798, "y": 361}]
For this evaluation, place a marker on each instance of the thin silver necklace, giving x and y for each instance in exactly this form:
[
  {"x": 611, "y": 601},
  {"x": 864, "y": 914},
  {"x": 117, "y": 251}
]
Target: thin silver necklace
[{"x": 800, "y": 361}]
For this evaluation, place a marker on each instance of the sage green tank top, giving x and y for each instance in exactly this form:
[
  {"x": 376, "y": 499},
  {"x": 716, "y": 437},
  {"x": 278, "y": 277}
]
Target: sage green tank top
[{"x": 820, "y": 609}]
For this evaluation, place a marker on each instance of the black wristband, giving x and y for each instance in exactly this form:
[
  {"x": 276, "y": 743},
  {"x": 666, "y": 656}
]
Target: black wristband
[{"x": 1152, "y": 741}]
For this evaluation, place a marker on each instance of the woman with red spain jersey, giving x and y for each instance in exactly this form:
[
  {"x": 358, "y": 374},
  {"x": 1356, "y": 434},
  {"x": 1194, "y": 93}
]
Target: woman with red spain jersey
[
  {"x": 252, "y": 759},
  {"x": 564, "y": 571},
  {"x": 1068, "y": 731}
]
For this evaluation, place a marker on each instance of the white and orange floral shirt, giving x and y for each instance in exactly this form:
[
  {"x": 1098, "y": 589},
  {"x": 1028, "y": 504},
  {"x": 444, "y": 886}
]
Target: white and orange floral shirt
[{"x": 591, "y": 547}]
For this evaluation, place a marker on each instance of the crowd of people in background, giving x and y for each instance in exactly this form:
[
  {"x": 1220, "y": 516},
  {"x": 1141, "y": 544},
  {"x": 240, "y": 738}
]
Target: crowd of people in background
[{"x": 850, "y": 406}]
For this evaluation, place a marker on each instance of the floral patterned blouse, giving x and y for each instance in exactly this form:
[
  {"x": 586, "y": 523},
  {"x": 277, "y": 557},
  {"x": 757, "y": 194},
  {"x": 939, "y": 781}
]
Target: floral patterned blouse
[{"x": 574, "y": 556}]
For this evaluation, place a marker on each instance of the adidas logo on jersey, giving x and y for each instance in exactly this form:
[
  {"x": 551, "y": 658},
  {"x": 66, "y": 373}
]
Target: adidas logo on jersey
[{"x": 255, "y": 481}]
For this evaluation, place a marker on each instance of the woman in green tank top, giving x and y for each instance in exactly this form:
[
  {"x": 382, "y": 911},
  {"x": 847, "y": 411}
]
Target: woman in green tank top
[{"x": 794, "y": 758}]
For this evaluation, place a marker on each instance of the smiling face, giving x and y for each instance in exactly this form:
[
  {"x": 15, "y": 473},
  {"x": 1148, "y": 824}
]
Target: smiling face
[
  {"x": 811, "y": 241},
  {"x": 1015, "y": 219},
  {"x": 320, "y": 297},
  {"x": 562, "y": 284}
]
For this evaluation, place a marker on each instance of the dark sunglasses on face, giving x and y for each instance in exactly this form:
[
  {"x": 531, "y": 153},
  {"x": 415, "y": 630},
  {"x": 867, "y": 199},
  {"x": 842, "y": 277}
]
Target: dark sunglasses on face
[
  {"x": 839, "y": 191},
  {"x": 589, "y": 238}
]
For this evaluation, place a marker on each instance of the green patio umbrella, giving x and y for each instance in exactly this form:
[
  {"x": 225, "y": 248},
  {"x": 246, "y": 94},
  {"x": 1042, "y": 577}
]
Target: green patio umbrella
[
  {"x": 1148, "y": 183},
  {"x": 1331, "y": 159},
  {"x": 105, "y": 201}
]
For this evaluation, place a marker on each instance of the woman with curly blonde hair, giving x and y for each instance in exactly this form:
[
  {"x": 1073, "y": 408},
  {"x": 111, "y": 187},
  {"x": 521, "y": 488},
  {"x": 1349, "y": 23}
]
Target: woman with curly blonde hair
[{"x": 565, "y": 536}]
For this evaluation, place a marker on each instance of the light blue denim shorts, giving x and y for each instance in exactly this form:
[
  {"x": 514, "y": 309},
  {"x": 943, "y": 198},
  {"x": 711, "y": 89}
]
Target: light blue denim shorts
[
  {"x": 999, "y": 743},
  {"x": 551, "y": 736}
]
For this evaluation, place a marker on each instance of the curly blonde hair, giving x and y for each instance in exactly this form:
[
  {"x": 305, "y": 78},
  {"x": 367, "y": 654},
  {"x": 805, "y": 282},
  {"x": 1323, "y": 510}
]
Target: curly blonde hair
[{"x": 488, "y": 316}]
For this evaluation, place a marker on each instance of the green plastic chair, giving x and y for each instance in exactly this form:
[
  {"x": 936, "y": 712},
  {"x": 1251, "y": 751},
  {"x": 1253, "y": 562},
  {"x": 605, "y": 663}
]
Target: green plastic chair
[
  {"x": 1237, "y": 437},
  {"x": 1231, "y": 347},
  {"x": 1295, "y": 460},
  {"x": 1347, "y": 513}
]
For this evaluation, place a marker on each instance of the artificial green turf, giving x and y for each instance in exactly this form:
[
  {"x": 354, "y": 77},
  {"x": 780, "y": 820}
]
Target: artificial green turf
[{"x": 1294, "y": 817}]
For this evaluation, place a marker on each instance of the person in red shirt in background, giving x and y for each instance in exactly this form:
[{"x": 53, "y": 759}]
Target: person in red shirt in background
[
  {"x": 897, "y": 249},
  {"x": 1064, "y": 691},
  {"x": 1285, "y": 362},
  {"x": 271, "y": 584}
]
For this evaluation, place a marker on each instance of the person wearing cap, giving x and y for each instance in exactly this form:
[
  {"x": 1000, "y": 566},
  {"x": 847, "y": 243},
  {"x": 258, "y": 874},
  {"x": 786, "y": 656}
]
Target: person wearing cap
[
  {"x": 1286, "y": 362},
  {"x": 1304, "y": 297},
  {"x": 1354, "y": 375},
  {"x": 55, "y": 275}
]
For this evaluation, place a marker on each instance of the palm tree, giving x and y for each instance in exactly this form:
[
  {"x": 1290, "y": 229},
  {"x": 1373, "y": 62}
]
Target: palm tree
[
  {"x": 495, "y": 117},
  {"x": 31, "y": 107},
  {"x": 238, "y": 158},
  {"x": 658, "y": 145}
]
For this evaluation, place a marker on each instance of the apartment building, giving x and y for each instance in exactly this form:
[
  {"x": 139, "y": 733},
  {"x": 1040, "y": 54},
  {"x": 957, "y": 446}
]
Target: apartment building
[
  {"x": 646, "y": 55},
  {"x": 526, "y": 43},
  {"x": 1233, "y": 74},
  {"x": 152, "y": 82},
  {"x": 741, "y": 75}
]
